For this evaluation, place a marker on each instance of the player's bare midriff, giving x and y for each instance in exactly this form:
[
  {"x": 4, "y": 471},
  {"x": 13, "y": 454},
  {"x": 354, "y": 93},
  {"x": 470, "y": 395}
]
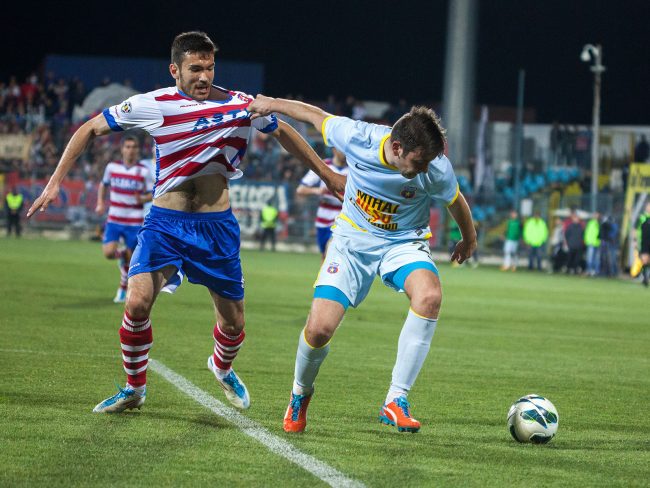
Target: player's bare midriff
[{"x": 203, "y": 194}]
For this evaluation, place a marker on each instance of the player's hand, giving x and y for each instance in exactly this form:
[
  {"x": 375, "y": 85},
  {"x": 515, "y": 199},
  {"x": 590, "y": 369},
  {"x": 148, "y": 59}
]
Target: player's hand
[
  {"x": 50, "y": 193},
  {"x": 261, "y": 106},
  {"x": 463, "y": 251},
  {"x": 99, "y": 209},
  {"x": 336, "y": 184}
]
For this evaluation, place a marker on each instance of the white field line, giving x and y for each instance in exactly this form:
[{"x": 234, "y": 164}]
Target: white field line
[{"x": 252, "y": 429}]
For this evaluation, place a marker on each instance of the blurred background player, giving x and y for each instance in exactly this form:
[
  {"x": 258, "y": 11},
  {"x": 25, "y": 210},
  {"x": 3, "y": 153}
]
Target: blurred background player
[
  {"x": 131, "y": 186},
  {"x": 574, "y": 236},
  {"x": 592, "y": 245},
  {"x": 269, "y": 224},
  {"x": 329, "y": 206},
  {"x": 644, "y": 244},
  {"x": 511, "y": 244},
  {"x": 608, "y": 236},
  {"x": 558, "y": 246},
  {"x": 383, "y": 229},
  {"x": 14, "y": 206},
  {"x": 535, "y": 236}
]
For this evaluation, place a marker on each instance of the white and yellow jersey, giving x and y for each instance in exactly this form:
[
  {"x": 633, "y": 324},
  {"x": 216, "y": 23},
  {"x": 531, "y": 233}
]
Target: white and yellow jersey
[{"x": 378, "y": 199}]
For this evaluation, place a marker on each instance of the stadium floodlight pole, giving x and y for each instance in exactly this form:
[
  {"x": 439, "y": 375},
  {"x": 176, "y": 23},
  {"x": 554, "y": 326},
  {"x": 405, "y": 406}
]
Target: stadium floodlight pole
[
  {"x": 595, "y": 54},
  {"x": 519, "y": 137}
]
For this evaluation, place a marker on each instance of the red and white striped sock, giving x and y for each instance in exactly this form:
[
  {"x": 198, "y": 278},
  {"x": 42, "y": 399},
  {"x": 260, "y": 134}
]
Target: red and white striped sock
[
  {"x": 123, "y": 264},
  {"x": 124, "y": 275},
  {"x": 136, "y": 339},
  {"x": 225, "y": 349}
]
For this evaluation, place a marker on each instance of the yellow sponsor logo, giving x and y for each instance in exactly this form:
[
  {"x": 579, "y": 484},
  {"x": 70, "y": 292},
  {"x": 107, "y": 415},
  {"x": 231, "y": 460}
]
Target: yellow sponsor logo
[{"x": 379, "y": 212}]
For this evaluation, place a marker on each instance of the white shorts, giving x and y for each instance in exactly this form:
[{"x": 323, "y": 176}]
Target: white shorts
[
  {"x": 510, "y": 247},
  {"x": 354, "y": 259}
]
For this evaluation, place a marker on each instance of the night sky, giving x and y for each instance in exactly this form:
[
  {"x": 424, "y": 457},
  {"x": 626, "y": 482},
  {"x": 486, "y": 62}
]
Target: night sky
[{"x": 373, "y": 50}]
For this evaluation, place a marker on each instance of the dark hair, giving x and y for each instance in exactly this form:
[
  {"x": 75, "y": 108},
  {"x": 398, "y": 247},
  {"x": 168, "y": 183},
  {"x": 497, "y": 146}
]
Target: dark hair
[
  {"x": 130, "y": 137},
  {"x": 420, "y": 129},
  {"x": 191, "y": 42}
]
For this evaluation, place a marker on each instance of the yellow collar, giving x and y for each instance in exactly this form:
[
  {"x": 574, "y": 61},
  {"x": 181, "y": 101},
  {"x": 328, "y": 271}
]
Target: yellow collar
[{"x": 381, "y": 153}]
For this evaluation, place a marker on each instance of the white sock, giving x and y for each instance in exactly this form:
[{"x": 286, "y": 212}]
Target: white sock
[
  {"x": 308, "y": 361},
  {"x": 412, "y": 349}
]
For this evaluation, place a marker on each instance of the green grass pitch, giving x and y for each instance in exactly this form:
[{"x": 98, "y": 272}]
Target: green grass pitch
[{"x": 583, "y": 343}]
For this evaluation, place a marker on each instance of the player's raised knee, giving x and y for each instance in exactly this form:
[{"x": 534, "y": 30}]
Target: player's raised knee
[
  {"x": 427, "y": 302},
  {"x": 318, "y": 332},
  {"x": 137, "y": 305},
  {"x": 232, "y": 326},
  {"x": 318, "y": 338}
]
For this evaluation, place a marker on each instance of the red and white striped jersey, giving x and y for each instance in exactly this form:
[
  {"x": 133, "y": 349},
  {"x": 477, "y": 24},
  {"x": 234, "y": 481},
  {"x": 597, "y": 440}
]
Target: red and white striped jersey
[
  {"x": 329, "y": 206},
  {"x": 192, "y": 138},
  {"x": 126, "y": 184}
]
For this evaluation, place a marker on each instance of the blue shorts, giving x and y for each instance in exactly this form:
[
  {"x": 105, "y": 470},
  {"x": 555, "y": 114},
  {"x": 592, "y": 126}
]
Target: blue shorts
[
  {"x": 202, "y": 246},
  {"x": 128, "y": 233},
  {"x": 323, "y": 235}
]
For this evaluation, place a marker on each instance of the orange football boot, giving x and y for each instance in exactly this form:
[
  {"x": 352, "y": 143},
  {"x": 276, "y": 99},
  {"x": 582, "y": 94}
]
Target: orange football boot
[
  {"x": 295, "y": 420},
  {"x": 398, "y": 413}
]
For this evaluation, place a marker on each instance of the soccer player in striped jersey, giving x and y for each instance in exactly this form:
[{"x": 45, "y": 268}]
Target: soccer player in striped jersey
[
  {"x": 131, "y": 186},
  {"x": 382, "y": 230},
  {"x": 329, "y": 206},
  {"x": 201, "y": 133}
]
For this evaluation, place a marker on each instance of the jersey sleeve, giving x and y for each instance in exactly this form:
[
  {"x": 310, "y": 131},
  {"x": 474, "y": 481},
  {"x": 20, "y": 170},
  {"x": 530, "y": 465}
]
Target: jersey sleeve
[
  {"x": 138, "y": 112},
  {"x": 443, "y": 185},
  {"x": 106, "y": 180},
  {"x": 338, "y": 131},
  {"x": 311, "y": 180},
  {"x": 266, "y": 124}
]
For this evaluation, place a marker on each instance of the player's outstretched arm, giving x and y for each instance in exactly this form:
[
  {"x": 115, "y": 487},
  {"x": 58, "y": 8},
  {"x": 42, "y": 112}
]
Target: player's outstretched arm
[
  {"x": 305, "y": 191},
  {"x": 297, "y": 146},
  {"x": 461, "y": 213},
  {"x": 304, "y": 112},
  {"x": 80, "y": 139},
  {"x": 101, "y": 197}
]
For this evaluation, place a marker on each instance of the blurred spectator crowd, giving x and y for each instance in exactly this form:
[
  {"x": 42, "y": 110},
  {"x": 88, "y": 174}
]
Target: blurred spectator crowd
[{"x": 44, "y": 108}]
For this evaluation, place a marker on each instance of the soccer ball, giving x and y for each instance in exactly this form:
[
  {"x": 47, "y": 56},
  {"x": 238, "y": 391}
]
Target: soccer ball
[{"x": 534, "y": 419}]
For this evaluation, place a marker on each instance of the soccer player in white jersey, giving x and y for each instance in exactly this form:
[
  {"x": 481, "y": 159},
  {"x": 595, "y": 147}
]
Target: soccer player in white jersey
[
  {"x": 329, "y": 206},
  {"x": 382, "y": 230},
  {"x": 201, "y": 132},
  {"x": 131, "y": 186}
]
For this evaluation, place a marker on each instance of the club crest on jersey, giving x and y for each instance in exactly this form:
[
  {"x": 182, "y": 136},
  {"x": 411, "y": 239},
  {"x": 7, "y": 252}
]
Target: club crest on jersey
[
  {"x": 408, "y": 191},
  {"x": 126, "y": 107},
  {"x": 244, "y": 98},
  {"x": 333, "y": 268}
]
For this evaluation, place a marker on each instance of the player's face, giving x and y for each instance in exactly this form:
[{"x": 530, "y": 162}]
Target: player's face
[
  {"x": 413, "y": 163},
  {"x": 195, "y": 75},
  {"x": 130, "y": 151}
]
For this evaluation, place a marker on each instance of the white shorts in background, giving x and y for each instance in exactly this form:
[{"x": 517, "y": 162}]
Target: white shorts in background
[
  {"x": 353, "y": 260},
  {"x": 510, "y": 247}
]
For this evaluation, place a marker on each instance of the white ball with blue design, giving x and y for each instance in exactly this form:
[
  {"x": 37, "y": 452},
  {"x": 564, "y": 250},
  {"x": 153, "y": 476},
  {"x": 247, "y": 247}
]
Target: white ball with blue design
[{"x": 533, "y": 418}]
